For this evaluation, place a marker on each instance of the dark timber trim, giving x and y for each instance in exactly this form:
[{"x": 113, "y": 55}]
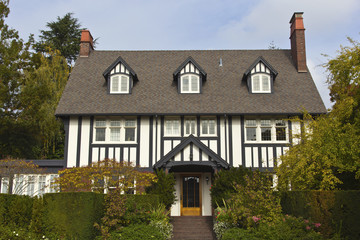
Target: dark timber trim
[
  {"x": 242, "y": 141},
  {"x": 218, "y": 135},
  {"x": 138, "y": 141},
  {"x": 66, "y": 147},
  {"x": 151, "y": 141},
  {"x": 162, "y": 138},
  {"x": 230, "y": 142},
  {"x": 78, "y": 142},
  {"x": 91, "y": 138}
]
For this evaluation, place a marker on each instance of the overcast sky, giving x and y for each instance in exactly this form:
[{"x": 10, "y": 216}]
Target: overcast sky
[{"x": 201, "y": 24}]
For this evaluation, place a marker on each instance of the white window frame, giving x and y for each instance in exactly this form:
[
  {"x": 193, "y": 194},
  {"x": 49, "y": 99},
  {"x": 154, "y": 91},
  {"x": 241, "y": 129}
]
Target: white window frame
[
  {"x": 108, "y": 128},
  {"x": 202, "y": 120},
  {"x": 121, "y": 77},
  {"x": 171, "y": 121},
  {"x": 273, "y": 130},
  {"x": 191, "y": 79},
  {"x": 261, "y": 83},
  {"x": 190, "y": 119}
]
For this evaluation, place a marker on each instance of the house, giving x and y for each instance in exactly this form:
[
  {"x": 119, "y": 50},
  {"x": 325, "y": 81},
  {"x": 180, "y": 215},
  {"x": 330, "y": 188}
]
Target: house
[{"x": 190, "y": 112}]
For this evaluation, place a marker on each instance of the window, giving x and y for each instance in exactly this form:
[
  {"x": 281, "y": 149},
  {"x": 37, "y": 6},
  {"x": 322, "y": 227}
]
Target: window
[
  {"x": 208, "y": 127},
  {"x": 190, "y": 126},
  {"x": 42, "y": 182},
  {"x": 115, "y": 130},
  {"x": 172, "y": 127},
  {"x": 4, "y": 185},
  {"x": 260, "y": 83},
  {"x": 190, "y": 83},
  {"x": 31, "y": 185},
  {"x": 119, "y": 83},
  {"x": 19, "y": 185},
  {"x": 266, "y": 130}
]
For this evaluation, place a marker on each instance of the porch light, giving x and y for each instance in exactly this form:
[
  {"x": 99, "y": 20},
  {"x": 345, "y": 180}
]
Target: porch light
[{"x": 207, "y": 180}]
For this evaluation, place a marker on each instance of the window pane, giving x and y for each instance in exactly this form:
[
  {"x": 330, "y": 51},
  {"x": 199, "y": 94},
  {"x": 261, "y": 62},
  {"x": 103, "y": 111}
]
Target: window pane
[
  {"x": 265, "y": 123},
  {"x": 115, "y": 134},
  {"x": 187, "y": 127},
  {"x": 280, "y": 123},
  {"x": 280, "y": 134},
  {"x": 176, "y": 127},
  {"x": 100, "y": 134},
  {"x": 211, "y": 126},
  {"x": 250, "y": 134},
  {"x": 168, "y": 127},
  {"x": 265, "y": 134},
  {"x": 256, "y": 83},
  {"x": 193, "y": 124},
  {"x": 115, "y": 84},
  {"x": 115, "y": 123},
  {"x": 130, "y": 134},
  {"x": 124, "y": 84},
  {"x": 204, "y": 126},
  {"x": 265, "y": 83},
  {"x": 130, "y": 123},
  {"x": 194, "y": 83},
  {"x": 250, "y": 123},
  {"x": 100, "y": 123},
  {"x": 185, "y": 83}
]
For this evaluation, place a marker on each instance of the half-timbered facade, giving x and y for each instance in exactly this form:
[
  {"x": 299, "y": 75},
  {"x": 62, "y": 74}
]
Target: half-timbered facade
[{"x": 188, "y": 112}]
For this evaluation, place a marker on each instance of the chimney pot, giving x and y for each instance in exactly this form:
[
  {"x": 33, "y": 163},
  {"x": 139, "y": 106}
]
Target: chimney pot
[
  {"x": 297, "y": 39},
  {"x": 86, "y": 43}
]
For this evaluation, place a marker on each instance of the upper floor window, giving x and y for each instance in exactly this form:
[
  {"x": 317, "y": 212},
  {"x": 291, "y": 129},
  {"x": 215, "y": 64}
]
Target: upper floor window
[
  {"x": 119, "y": 83},
  {"x": 190, "y": 83},
  {"x": 190, "y": 126},
  {"x": 172, "y": 127},
  {"x": 266, "y": 130},
  {"x": 208, "y": 126},
  {"x": 115, "y": 130},
  {"x": 260, "y": 83},
  {"x": 260, "y": 77}
]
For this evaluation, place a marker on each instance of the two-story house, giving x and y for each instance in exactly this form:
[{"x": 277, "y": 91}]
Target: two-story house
[{"x": 190, "y": 112}]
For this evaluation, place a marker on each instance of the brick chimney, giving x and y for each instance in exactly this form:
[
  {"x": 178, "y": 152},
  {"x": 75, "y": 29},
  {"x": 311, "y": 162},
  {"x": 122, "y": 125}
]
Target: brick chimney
[
  {"x": 297, "y": 39},
  {"x": 86, "y": 43}
]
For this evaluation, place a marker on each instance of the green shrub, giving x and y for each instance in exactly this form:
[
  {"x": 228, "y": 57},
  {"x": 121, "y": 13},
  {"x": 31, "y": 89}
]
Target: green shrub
[
  {"x": 337, "y": 211},
  {"x": 139, "y": 231},
  {"x": 164, "y": 227},
  {"x": 72, "y": 215},
  {"x": 224, "y": 182},
  {"x": 15, "y": 210},
  {"x": 164, "y": 188}
]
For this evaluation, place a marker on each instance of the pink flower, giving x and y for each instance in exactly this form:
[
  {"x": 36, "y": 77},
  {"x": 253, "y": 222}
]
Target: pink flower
[
  {"x": 255, "y": 219},
  {"x": 317, "y": 224},
  {"x": 308, "y": 227},
  {"x": 306, "y": 221}
]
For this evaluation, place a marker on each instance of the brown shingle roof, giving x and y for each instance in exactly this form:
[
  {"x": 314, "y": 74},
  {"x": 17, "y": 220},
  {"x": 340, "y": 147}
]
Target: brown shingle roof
[{"x": 224, "y": 91}]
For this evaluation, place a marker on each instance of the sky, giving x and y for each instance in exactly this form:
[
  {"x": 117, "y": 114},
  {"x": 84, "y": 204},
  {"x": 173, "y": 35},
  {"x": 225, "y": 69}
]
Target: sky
[{"x": 202, "y": 24}]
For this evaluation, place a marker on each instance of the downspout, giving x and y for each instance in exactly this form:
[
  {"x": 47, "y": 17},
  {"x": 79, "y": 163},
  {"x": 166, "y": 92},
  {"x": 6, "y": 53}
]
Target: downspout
[
  {"x": 225, "y": 138},
  {"x": 156, "y": 133}
]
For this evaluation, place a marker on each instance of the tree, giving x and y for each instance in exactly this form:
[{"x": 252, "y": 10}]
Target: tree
[
  {"x": 64, "y": 35},
  {"x": 104, "y": 176},
  {"x": 14, "y": 170},
  {"x": 16, "y": 139},
  {"x": 328, "y": 156}
]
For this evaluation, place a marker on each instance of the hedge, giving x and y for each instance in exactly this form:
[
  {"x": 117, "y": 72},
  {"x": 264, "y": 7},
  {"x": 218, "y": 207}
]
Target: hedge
[
  {"x": 15, "y": 210},
  {"x": 337, "y": 211}
]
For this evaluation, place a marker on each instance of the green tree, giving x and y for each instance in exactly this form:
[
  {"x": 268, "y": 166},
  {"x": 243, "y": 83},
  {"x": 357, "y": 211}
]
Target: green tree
[
  {"x": 63, "y": 35},
  {"x": 328, "y": 156},
  {"x": 16, "y": 139}
]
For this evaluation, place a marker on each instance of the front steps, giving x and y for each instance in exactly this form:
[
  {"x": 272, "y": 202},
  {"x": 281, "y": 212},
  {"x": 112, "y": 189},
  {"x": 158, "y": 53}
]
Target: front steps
[{"x": 193, "y": 228}]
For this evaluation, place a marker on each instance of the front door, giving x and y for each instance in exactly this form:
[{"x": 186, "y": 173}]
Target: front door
[{"x": 190, "y": 195}]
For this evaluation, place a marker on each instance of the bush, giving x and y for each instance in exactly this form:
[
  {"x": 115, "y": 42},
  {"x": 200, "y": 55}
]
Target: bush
[
  {"x": 337, "y": 211},
  {"x": 136, "y": 232},
  {"x": 72, "y": 215},
  {"x": 15, "y": 210},
  {"x": 289, "y": 228},
  {"x": 164, "y": 188}
]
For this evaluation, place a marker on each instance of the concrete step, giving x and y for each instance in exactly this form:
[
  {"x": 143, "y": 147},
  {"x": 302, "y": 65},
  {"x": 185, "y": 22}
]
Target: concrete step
[{"x": 193, "y": 228}]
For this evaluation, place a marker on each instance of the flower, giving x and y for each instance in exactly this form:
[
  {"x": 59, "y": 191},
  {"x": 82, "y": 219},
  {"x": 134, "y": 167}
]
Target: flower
[
  {"x": 255, "y": 219},
  {"x": 306, "y": 221},
  {"x": 308, "y": 227},
  {"x": 317, "y": 224}
]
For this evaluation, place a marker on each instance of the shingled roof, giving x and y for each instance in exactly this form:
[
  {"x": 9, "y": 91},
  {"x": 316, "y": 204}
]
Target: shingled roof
[{"x": 224, "y": 91}]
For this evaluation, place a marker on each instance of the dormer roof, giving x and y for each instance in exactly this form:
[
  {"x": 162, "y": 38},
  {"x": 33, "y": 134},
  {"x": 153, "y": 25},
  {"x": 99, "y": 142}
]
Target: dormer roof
[
  {"x": 119, "y": 66},
  {"x": 190, "y": 66},
  {"x": 266, "y": 69}
]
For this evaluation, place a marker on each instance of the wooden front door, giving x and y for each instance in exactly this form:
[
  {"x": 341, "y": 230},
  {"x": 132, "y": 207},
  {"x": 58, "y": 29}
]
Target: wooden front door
[{"x": 190, "y": 195}]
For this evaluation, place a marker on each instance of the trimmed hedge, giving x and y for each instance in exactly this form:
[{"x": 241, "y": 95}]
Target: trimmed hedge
[
  {"x": 15, "y": 210},
  {"x": 72, "y": 215},
  {"x": 337, "y": 211}
]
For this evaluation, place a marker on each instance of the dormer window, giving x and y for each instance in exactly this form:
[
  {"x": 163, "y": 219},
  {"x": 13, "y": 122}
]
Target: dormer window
[
  {"x": 190, "y": 83},
  {"x": 119, "y": 83},
  {"x": 189, "y": 77},
  {"x": 260, "y": 83},
  {"x": 260, "y": 77},
  {"x": 120, "y": 77}
]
